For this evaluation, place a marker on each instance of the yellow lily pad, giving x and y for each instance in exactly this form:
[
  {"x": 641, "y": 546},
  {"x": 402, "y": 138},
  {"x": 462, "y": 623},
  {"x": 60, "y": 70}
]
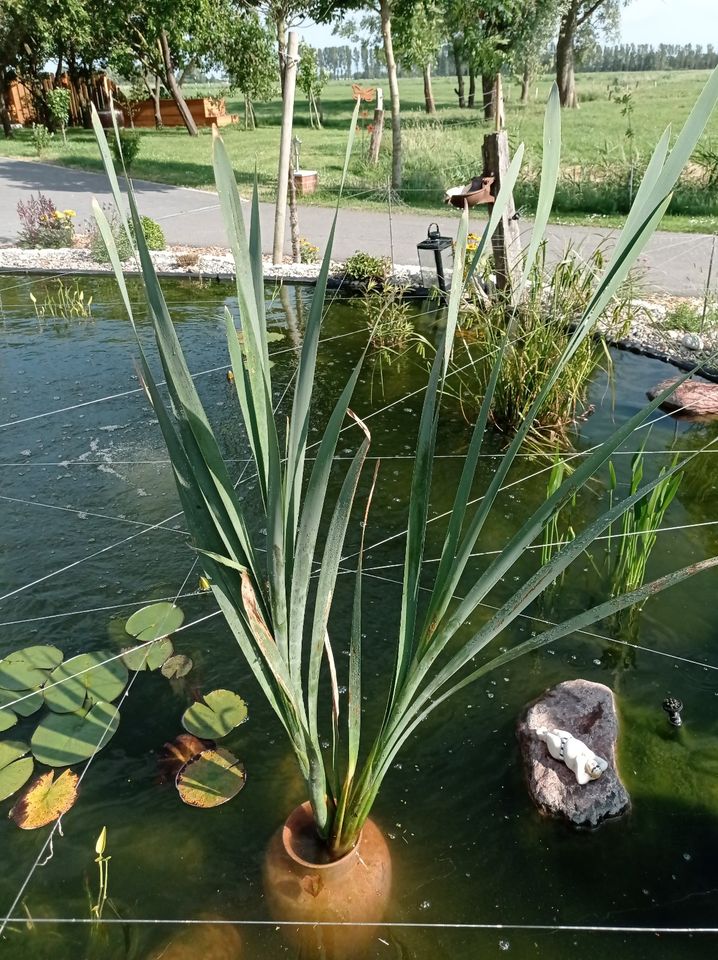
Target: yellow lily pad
[{"x": 45, "y": 800}]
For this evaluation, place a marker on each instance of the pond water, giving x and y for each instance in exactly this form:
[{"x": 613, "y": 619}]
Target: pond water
[{"x": 84, "y": 473}]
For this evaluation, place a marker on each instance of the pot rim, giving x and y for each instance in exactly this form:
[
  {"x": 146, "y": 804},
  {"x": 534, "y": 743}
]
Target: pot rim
[{"x": 287, "y": 833}]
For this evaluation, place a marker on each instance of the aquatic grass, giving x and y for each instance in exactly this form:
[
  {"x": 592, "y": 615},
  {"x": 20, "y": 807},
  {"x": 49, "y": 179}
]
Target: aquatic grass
[
  {"x": 639, "y": 524},
  {"x": 278, "y": 601}
]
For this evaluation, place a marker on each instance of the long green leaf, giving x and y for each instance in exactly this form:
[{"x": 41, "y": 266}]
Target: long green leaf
[{"x": 550, "y": 165}]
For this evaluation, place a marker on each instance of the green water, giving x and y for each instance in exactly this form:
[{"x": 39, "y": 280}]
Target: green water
[{"x": 466, "y": 843}]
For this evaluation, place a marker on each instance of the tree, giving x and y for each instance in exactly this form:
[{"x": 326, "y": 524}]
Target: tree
[
  {"x": 419, "y": 31},
  {"x": 579, "y": 16},
  {"x": 250, "y": 59},
  {"x": 311, "y": 80}
]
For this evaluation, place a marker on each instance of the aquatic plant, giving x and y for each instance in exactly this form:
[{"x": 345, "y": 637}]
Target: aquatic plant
[
  {"x": 637, "y": 537},
  {"x": 542, "y": 325},
  {"x": 66, "y": 302},
  {"x": 275, "y": 604},
  {"x": 79, "y": 716}
]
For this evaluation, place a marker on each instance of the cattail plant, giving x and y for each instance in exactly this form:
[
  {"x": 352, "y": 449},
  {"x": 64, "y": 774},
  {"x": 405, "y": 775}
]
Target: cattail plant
[{"x": 276, "y": 609}]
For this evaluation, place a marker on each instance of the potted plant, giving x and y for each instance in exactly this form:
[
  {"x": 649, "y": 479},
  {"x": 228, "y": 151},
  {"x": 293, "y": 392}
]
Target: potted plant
[{"x": 280, "y": 618}]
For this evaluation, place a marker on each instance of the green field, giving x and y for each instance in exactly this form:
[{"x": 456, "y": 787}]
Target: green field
[{"x": 597, "y": 154}]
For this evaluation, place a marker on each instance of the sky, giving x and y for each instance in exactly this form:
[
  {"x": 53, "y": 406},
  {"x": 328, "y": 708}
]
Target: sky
[{"x": 643, "y": 21}]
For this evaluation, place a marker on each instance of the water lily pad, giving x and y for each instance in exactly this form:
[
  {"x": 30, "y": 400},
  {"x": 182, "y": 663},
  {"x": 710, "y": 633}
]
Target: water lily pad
[
  {"x": 176, "y": 753},
  {"x": 61, "y": 739},
  {"x": 154, "y": 621},
  {"x": 22, "y": 702},
  {"x": 45, "y": 800},
  {"x": 11, "y": 750},
  {"x": 210, "y": 779},
  {"x": 213, "y": 719},
  {"x": 7, "y": 720},
  {"x": 88, "y": 675},
  {"x": 176, "y": 667},
  {"x": 42, "y": 656},
  {"x": 15, "y": 775},
  {"x": 20, "y": 675},
  {"x": 150, "y": 657}
]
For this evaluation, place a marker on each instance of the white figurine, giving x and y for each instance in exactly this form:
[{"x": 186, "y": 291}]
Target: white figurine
[{"x": 579, "y": 758}]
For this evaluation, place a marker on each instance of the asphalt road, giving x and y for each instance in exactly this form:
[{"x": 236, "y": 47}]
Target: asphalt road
[{"x": 675, "y": 263}]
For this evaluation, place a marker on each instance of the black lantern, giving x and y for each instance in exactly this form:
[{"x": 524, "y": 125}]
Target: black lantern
[{"x": 435, "y": 244}]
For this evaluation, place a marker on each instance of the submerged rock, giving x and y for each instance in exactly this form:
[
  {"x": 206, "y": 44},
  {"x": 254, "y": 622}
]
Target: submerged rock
[
  {"x": 202, "y": 942},
  {"x": 588, "y": 711},
  {"x": 692, "y": 398}
]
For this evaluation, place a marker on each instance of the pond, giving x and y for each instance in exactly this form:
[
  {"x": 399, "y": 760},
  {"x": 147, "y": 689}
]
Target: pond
[{"x": 92, "y": 530}]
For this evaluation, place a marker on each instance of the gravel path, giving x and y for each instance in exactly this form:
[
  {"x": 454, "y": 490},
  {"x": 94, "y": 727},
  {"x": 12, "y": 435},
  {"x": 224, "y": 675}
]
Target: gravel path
[{"x": 673, "y": 263}]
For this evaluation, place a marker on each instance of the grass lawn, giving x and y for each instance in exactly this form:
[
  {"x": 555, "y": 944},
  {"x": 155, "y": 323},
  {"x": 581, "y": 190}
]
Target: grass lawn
[{"x": 595, "y": 155}]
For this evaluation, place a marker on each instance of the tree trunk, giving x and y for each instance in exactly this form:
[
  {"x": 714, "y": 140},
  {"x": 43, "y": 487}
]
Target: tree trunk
[
  {"x": 471, "y": 102},
  {"x": 281, "y": 48},
  {"x": 487, "y": 89},
  {"x": 174, "y": 90},
  {"x": 156, "y": 100},
  {"x": 459, "y": 73},
  {"x": 429, "y": 104},
  {"x": 60, "y": 58},
  {"x": 565, "y": 76},
  {"x": 525, "y": 83},
  {"x": 5, "y": 110},
  {"x": 385, "y": 14}
]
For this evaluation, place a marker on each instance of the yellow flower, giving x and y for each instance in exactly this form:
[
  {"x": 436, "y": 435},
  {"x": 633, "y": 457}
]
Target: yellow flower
[
  {"x": 69, "y": 213},
  {"x": 57, "y": 215}
]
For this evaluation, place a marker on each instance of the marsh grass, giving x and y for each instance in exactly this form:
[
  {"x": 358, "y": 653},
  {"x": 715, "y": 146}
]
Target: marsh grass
[
  {"x": 64, "y": 302},
  {"x": 542, "y": 329}
]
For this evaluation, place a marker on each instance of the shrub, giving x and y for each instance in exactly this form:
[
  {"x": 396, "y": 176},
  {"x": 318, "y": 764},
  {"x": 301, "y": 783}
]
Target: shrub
[
  {"x": 308, "y": 251},
  {"x": 43, "y": 225},
  {"x": 151, "y": 229},
  {"x": 127, "y": 148},
  {"x": 364, "y": 268},
  {"x": 58, "y": 103},
  {"x": 40, "y": 138}
]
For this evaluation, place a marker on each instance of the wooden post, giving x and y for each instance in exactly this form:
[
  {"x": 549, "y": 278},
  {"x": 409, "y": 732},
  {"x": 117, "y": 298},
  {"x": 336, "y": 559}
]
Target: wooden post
[
  {"x": 378, "y": 128},
  {"x": 294, "y": 217},
  {"x": 285, "y": 144},
  {"x": 506, "y": 241}
]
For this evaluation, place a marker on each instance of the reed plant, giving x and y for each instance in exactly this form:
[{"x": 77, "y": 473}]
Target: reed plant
[
  {"x": 277, "y": 591},
  {"x": 637, "y": 538}
]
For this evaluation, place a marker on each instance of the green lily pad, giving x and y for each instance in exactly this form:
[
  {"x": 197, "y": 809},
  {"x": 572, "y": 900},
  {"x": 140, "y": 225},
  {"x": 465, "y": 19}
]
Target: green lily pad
[
  {"x": 154, "y": 621},
  {"x": 15, "y": 775},
  {"x": 213, "y": 719},
  {"x": 42, "y": 656},
  {"x": 150, "y": 657},
  {"x": 210, "y": 779},
  {"x": 87, "y": 675},
  {"x": 22, "y": 702},
  {"x": 45, "y": 800},
  {"x": 7, "y": 719},
  {"x": 61, "y": 739},
  {"x": 176, "y": 667},
  {"x": 20, "y": 675},
  {"x": 11, "y": 750}
]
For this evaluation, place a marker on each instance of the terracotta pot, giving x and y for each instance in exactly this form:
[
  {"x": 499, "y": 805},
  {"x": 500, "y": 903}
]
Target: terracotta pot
[{"x": 353, "y": 889}]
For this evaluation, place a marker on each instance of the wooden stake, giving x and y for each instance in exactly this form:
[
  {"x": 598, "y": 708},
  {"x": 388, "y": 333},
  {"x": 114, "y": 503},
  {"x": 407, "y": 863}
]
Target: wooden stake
[
  {"x": 378, "y": 128},
  {"x": 285, "y": 144},
  {"x": 506, "y": 241},
  {"x": 294, "y": 217}
]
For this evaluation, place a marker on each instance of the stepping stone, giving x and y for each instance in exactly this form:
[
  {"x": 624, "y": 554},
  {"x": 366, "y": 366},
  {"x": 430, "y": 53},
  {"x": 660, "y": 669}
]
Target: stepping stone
[{"x": 587, "y": 710}]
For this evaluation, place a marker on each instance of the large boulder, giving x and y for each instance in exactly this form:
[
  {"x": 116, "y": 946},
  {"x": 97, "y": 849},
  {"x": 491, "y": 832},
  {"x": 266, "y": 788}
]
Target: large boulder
[{"x": 588, "y": 711}]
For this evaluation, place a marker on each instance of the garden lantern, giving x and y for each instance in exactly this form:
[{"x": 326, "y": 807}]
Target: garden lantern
[{"x": 436, "y": 244}]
